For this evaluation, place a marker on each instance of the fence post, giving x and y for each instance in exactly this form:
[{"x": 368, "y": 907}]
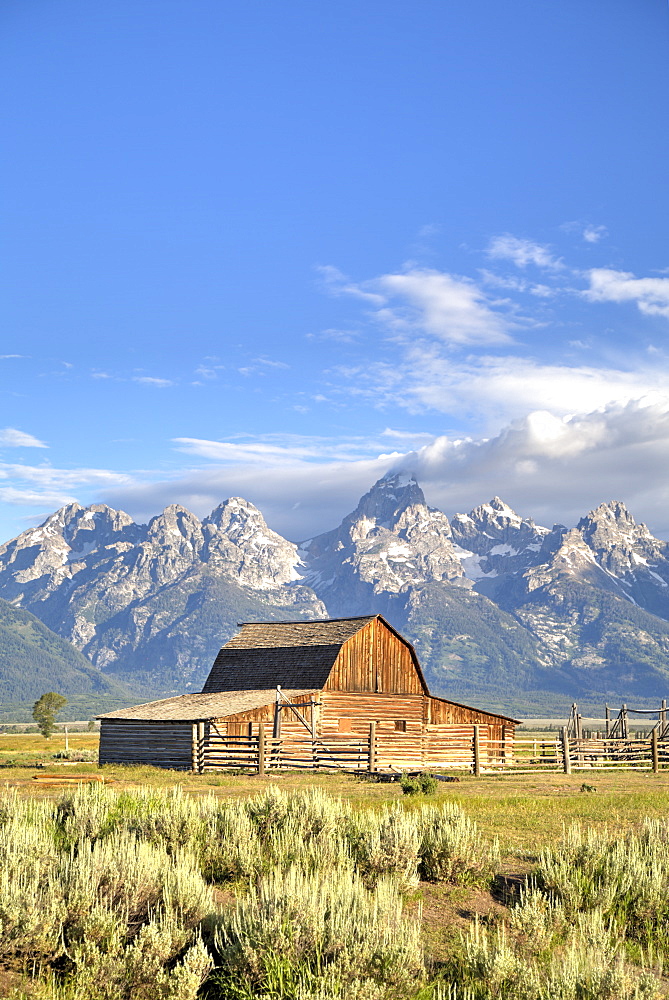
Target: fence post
[
  {"x": 194, "y": 749},
  {"x": 261, "y": 748},
  {"x": 608, "y": 721},
  {"x": 653, "y": 751},
  {"x": 477, "y": 750},
  {"x": 200, "y": 747},
  {"x": 371, "y": 761},
  {"x": 565, "y": 751}
]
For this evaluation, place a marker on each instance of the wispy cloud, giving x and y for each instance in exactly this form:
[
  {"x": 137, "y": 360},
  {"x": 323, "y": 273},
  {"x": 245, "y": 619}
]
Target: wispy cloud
[
  {"x": 651, "y": 295},
  {"x": 332, "y": 333},
  {"x": 261, "y": 366},
  {"x": 10, "y": 437},
  {"x": 430, "y": 302},
  {"x": 279, "y": 448},
  {"x": 484, "y": 391},
  {"x": 522, "y": 252},
  {"x": 157, "y": 383},
  {"x": 593, "y": 234},
  {"x": 209, "y": 372},
  {"x": 451, "y": 308},
  {"x": 335, "y": 282},
  {"x": 271, "y": 363},
  {"x": 47, "y": 487}
]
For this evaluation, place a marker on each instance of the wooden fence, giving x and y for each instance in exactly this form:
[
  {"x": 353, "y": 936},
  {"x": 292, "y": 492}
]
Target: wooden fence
[{"x": 465, "y": 748}]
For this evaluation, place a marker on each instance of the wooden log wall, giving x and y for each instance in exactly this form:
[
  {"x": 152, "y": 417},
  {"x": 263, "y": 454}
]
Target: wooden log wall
[
  {"x": 359, "y": 710},
  {"x": 375, "y": 659},
  {"x": 162, "y": 744}
]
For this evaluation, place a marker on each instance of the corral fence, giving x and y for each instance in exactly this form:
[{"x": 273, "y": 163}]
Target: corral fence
[
  {"x": 459, "y": 747},
  {"x": 468, "y": 749}
]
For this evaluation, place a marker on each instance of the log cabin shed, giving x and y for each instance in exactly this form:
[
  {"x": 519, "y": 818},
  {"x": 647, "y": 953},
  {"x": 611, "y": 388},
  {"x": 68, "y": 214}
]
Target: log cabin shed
[{"x": 346, "y": 693}]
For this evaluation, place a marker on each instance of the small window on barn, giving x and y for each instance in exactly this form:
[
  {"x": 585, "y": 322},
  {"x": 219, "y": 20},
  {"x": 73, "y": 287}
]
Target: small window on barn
[
  {"x": 345, "y": 725},
  {"x": 401, "y": 725}
]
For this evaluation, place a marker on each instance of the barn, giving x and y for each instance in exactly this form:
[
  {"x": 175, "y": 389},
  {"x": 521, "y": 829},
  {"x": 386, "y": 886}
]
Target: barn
[{"x": 343, "y": 693}]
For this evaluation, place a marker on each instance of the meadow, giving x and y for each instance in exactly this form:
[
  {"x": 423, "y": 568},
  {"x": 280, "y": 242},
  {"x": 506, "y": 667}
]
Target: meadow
[{"x": 321, "y": 886}]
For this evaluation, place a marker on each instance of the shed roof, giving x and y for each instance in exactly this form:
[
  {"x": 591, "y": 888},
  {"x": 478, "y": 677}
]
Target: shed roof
[
  {"x": 200, "y": 707},
  {"x": 297, "y": 654}
]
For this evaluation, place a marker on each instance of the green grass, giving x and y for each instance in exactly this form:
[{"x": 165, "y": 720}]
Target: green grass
[{"x": 524, "y": 811}]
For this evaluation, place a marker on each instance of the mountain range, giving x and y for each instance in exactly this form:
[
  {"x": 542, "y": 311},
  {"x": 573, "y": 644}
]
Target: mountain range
[{"x": 504, "y": 613}]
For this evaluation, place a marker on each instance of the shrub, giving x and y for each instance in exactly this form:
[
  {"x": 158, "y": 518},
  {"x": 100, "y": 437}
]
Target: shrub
[
  {"x": 107, "y": 911},
  {"x": 385, "y": 844},
  {"x": 627, "y": 878},
  {"x": 423, "y": 784},
  {"x": 589, "y": 965},
  {"x": 451, "y": 848},
  {"x": 230, "y": 846},
  {"x": 296, "y": 934}
]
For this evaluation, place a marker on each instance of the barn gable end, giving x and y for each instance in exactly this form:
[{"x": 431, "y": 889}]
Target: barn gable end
[{"x": 376, "y": 658}]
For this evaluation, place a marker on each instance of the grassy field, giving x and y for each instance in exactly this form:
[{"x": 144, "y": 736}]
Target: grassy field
[
  {"x": 524, "y": 811},
  {"x": 512, "y": 821}
]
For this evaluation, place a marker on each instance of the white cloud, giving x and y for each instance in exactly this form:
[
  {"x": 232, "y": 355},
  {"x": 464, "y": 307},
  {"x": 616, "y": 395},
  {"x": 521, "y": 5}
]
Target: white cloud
[
  {"x": 434, "y": 303},
  {"x": 270, "y": 363},
  {"x": 489, "y": 390},
  {"x": 12, "y": 438},
  {"x": 210, "y": 372},
  {"x": 34, "y": 498},
  {"x": 593, "y": 234},
  {"x": 651, "y": 295},
  {"x": 48, "y": 488},
  {"x": 452, "y": 309},
  {"x": 342, "y": 336},
  {"x": 558, "y": 469},
  {"x": 552, "y": 467},
  {"x": 522, "y": 252},
  {"x": 157, "y": 383},
  {"x": 62, "y": 479},
  {"x": 278, "y": 448},
  {"x": 337, "y": 283}
]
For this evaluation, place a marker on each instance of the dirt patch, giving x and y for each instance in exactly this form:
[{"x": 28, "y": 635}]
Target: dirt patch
[
  {"x": 14, "y": 982},
  {"x": 448, "y": 912}
]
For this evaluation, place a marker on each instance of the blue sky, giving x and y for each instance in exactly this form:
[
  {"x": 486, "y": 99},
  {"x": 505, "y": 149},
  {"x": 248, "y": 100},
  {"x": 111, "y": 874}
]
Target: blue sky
[{"x": 275, "y": 249}]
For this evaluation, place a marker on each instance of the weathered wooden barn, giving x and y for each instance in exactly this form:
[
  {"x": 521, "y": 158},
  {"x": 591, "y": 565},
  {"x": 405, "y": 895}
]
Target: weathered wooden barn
[{"x": 346, "y": 693}]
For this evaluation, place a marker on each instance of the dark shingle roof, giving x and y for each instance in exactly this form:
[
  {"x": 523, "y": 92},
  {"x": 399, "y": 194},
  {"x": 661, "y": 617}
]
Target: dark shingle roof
[
  {"x": 198, "y": 707},
  {"x": 297, "y": 654}
]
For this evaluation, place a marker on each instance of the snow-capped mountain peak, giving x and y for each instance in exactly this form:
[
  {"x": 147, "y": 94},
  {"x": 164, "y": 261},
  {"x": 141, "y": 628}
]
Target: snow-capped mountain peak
[{"x": 391, "y": 542}]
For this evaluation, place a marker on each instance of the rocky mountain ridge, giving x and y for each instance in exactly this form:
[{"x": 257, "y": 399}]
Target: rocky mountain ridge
[
  {"x": 497, "y": 605},
  {"x": 117, "y": 589}
]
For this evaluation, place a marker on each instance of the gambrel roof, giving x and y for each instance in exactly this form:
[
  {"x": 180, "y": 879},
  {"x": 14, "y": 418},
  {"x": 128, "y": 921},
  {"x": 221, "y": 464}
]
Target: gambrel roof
[{"x": 298, "y": 654}]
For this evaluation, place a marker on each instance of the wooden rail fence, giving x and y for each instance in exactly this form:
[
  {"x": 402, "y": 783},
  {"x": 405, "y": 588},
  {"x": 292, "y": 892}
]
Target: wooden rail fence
[{"x": 467, "y": 749}]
